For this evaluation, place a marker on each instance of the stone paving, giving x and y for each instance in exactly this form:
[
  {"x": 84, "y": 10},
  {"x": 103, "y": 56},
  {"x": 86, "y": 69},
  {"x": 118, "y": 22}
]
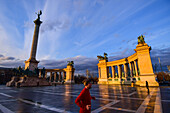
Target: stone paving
[{"x": 60, "y": 99}]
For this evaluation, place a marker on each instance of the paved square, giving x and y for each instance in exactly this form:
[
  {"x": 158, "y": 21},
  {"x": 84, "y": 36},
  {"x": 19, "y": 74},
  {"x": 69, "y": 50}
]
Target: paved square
[{"x": 60, "y": 99}]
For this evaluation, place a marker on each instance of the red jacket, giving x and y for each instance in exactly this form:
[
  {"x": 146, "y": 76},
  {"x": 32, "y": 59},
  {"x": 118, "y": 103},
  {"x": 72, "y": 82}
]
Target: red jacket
[{"x": 84, "y": 99}]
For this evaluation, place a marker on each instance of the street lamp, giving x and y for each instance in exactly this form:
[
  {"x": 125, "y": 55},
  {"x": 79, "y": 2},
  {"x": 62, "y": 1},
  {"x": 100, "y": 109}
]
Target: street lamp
[{"x": 161, "y": 68}]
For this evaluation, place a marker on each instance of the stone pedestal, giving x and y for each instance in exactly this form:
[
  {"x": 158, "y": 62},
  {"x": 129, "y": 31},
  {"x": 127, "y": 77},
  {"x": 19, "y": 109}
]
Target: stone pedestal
[
  {"x": 145, "y": 66},
  {"x": 31, "y": 64},
  {"x": 103, "y": 79},
  {"x": 27, "y": 82},
  {"x": 69, "y": 75}
]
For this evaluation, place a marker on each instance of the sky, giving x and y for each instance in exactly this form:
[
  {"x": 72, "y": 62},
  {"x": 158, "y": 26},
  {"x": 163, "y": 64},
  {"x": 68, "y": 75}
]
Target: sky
[{"x": 79, "y": 30}]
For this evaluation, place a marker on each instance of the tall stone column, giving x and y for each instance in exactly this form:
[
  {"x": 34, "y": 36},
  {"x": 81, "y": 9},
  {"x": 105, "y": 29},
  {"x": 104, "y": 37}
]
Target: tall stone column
[
  {"x": 125, "y": 70},
  {"x": 45, "y": 74},
  {"x": 64, "y": 75},
  {"x": 130, "y": 66},
  {"x": 107, "y": 72},
  {"x": 39, "y": 73},
  {"x": 119, "y": 71},
  {"x": 113, "y": 71},
  {"x": 32, "y": 63},
  {"x": 50, "y": 76},
  {"x": 133, "y": 68},
  {"x": 59, "y": 76},
  {"x": 136, "y": 69},
  {"x": 55, "y": 74}
]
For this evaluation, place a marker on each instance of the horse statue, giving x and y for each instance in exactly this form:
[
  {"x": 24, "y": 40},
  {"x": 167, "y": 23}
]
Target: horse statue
[
  {"x": 102, "y": 57},
  {"x": 70, "y": 63},
  {"x": 141, "y": 39}
]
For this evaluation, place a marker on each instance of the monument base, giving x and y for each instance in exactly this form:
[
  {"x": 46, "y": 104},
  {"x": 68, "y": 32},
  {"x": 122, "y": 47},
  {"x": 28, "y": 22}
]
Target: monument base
[
  {"x": 102, "y": 81},
  {"x": 117, "y": 81},
  {"x": 69, "y": 82},
  {"x": 27, "y": 82},
  {"x": 150, "y": 78},
  {"x": 31, "y": 64}
]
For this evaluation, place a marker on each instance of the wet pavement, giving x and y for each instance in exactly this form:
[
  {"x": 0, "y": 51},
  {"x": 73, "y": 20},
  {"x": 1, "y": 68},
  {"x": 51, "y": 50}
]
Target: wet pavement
[{"x": 60, "y": 99}]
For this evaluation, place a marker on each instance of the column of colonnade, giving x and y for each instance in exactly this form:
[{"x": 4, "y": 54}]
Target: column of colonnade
[
  {"x": 53, "y": 74},
  {"x": 130, "y": 71}
]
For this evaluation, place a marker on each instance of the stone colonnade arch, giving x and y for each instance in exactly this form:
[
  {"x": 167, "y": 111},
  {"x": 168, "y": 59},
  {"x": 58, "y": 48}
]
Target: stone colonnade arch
[
  {"x": 59, "y": 75},
  {"x": 137, "y": 68}
]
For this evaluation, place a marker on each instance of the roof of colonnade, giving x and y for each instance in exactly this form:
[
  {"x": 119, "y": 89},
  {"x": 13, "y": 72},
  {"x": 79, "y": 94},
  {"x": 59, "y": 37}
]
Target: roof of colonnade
[
  {"x": 123, "y": 61},
  {"x": 54, "y": 70}
]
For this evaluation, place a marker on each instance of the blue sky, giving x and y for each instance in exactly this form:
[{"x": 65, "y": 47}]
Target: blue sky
[{"x": 80, "y": 30}]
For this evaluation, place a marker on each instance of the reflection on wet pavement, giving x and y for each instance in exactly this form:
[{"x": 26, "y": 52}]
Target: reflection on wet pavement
[{"x": 109, "y": 99}]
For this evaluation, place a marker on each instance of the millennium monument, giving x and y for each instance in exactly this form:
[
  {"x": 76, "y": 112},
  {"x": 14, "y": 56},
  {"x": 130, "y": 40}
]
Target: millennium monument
[
  {"x": 32, "y": 63},
  {"x": 66, "y": 74},
  {"x": 57, "y": 76},
  {"x": 137, "y": 67}
]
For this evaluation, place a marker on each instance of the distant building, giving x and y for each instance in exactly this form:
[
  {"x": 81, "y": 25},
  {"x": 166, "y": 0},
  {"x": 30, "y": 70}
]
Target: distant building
[
  {"x": 168, "y": 67},
  {"x": 5, "y": 75}
]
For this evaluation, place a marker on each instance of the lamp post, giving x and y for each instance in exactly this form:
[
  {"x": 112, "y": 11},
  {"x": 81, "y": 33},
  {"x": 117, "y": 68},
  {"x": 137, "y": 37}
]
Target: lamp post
[{"x": 161, "y": 68}]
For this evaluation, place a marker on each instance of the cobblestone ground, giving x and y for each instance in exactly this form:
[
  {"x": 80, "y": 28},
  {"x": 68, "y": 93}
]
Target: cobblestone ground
[{"x": 109, "y": 99}]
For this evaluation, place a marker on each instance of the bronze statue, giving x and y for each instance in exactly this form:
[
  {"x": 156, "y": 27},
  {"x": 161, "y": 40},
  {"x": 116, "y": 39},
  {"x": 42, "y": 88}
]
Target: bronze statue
[
  {"x": 103, "y": 58},
  {"x": 141, "y": 39},
  {"x": 43, "y": 72},
  {"x": 70, "y": 63},
  {"x": 100, "y": 57},
  {"x": 39, "y": 13}
]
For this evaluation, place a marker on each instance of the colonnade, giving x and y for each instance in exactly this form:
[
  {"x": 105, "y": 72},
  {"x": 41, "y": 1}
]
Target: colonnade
[
  {"x": 55, "y": 75},
  {"x": 58, "y": 75},
  {"x": 124, "y": 70},
  {"x": 137, "y": 67}
]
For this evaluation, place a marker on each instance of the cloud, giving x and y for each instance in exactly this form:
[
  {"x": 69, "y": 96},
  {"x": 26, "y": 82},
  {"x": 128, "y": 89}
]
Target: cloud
[
  {"x": 83, "y": 22},
  {"x": 55, "y": 25},
  {"x": 2, "y": 57},
  {"x": 163, "y": 54},
  {"x": 99, "y": 2},
  {"x": 81, "y": 63},
  {"x": 121, "y": 54},
  {"x": 10, "y": 62}
]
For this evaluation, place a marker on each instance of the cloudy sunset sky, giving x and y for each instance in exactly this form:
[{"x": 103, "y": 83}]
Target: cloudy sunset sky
[{"x": 79, "y": 30}]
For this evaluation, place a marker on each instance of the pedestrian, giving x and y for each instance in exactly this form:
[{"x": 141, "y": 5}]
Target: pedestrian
[
  {"x": 132, "y": 86},
  {"x": 84, "y": 99},
  {"x": 147, "y": 86}
]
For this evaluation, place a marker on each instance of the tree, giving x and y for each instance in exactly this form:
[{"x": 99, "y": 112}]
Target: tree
[{"x": 27, "y": 71}]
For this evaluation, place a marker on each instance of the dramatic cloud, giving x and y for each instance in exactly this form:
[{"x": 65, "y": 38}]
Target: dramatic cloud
[
  {"x": 82, "y": 27},
  {"x": 163, "y": 54},
  {"x": 10, "y": 62},
  {"x": 81, "y": 63},
  {"x": 55, "y": 25},
  {"x": 2, "y": 57},
  {"x": 121, "y": 54}
]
